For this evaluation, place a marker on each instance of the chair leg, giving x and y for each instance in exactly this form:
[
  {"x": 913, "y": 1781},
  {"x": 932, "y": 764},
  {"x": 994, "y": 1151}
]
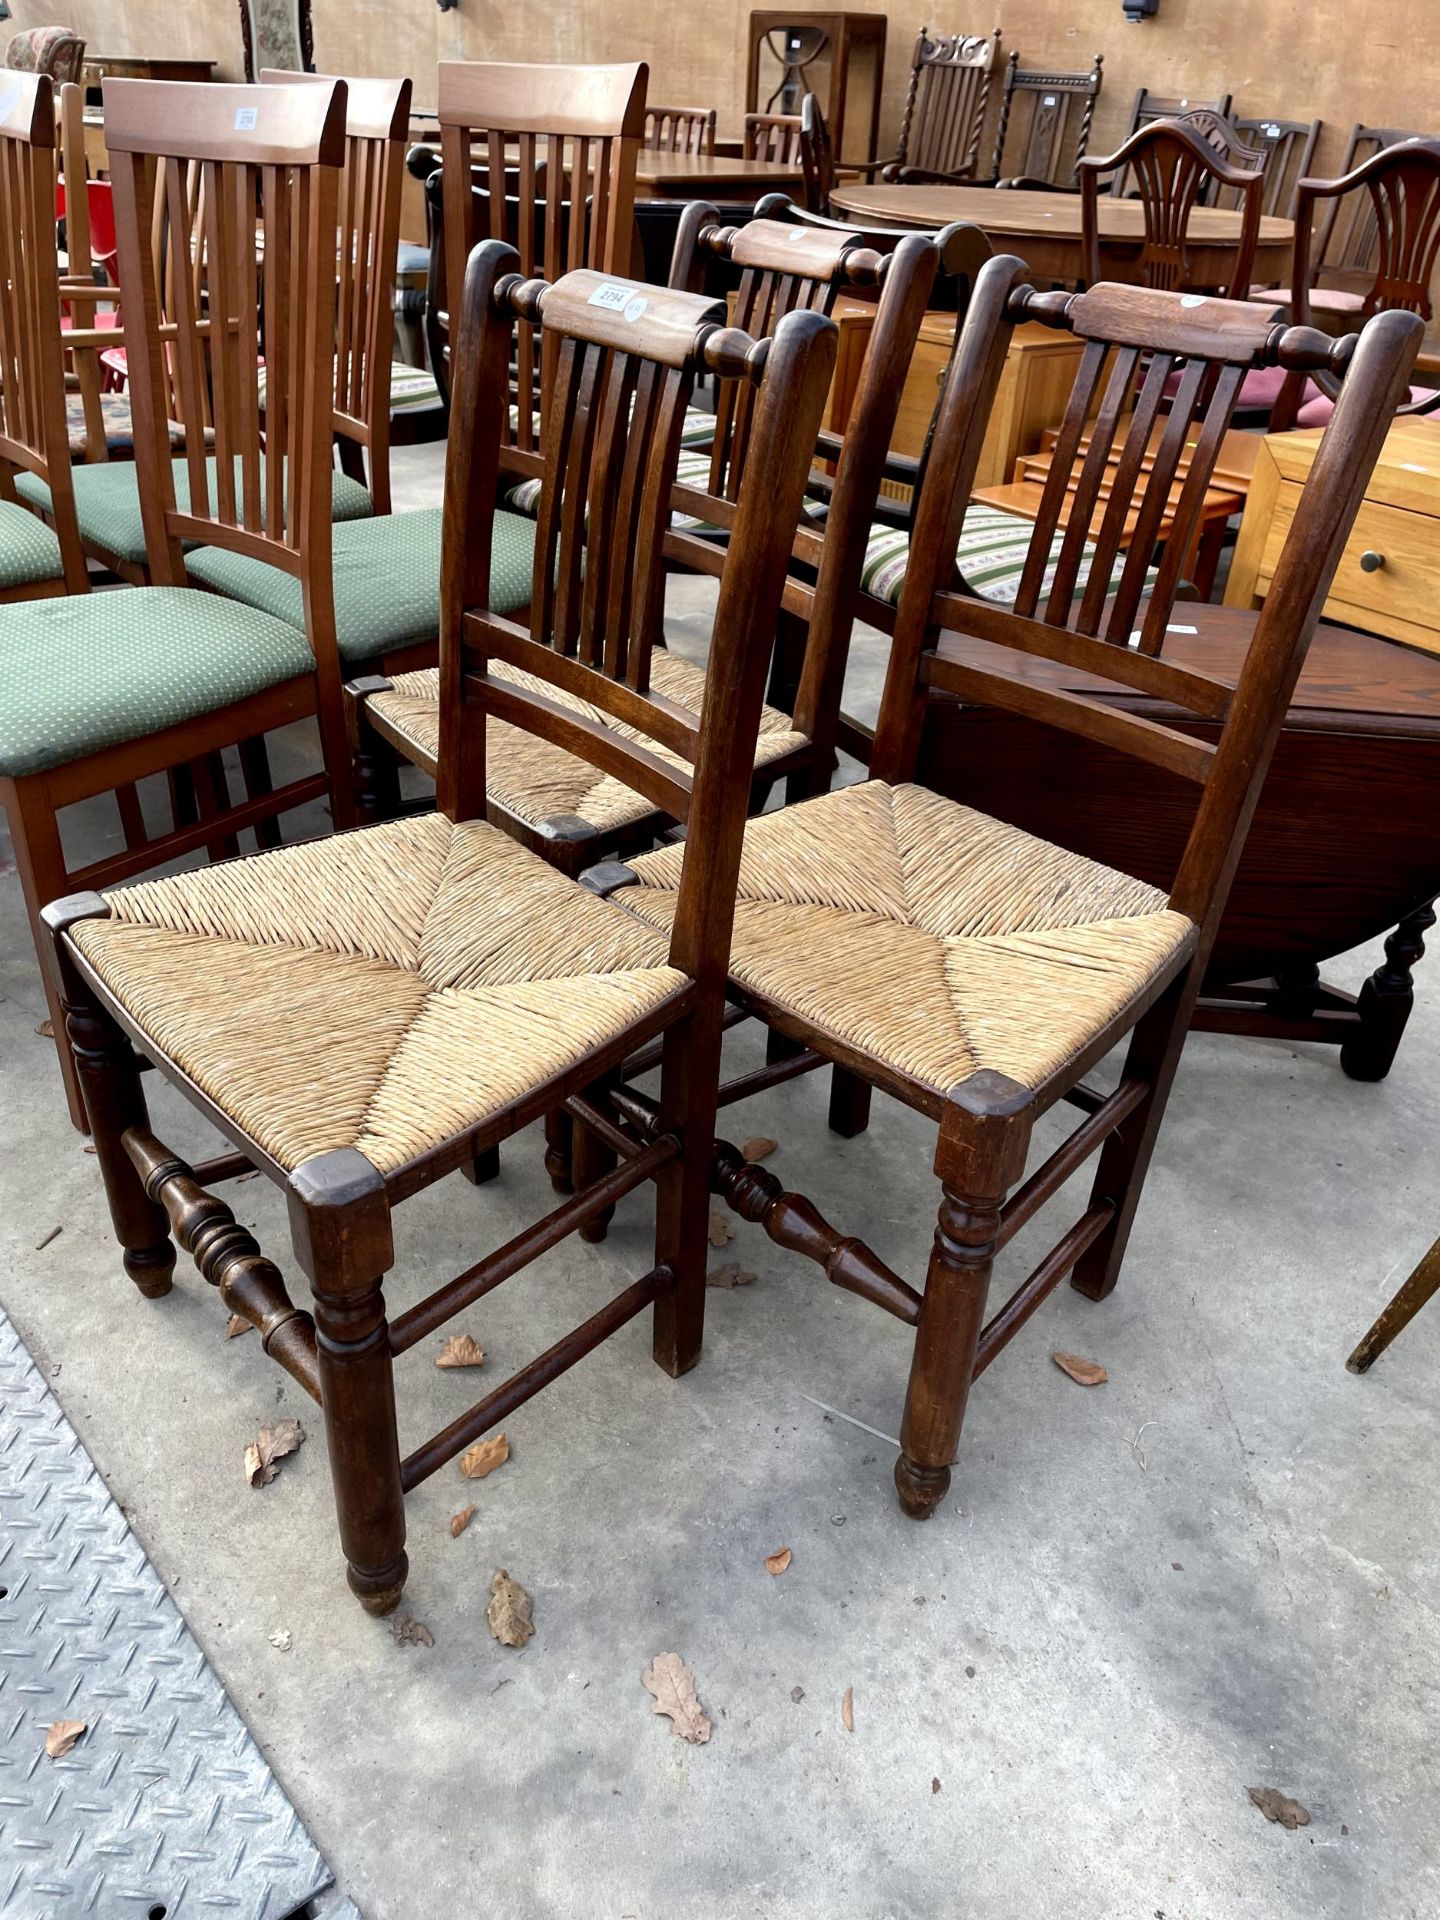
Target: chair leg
[
  {"x": 106, "y": 1068},
  {"x": 1423, "y": 1285},
  {"x": 559, "y": 1149},
  {"x": 591, "y": 1160},
  {"x": 984, "y": 1134},
  {"x": 255, "y": 767},
  {"x": 340, "y": 1221},
  {"x": 689, "y": 1082},
  {"x": 849, "y": 1103},
  {"x": 40, "y": 862},
  {"x": 1153, "y": 1055},
  {"x": 374, "y": 765},
  {"x": 1386, "y": 1000}
]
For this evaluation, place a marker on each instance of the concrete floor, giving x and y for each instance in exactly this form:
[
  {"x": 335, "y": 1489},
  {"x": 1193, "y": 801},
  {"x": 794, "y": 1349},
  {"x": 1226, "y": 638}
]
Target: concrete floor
[{"x": 1218, "y": 1570}]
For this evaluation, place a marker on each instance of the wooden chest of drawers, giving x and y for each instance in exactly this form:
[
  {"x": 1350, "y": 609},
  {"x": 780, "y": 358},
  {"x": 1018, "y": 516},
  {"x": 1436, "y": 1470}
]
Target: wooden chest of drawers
[{"x": 1388, "y": 580}]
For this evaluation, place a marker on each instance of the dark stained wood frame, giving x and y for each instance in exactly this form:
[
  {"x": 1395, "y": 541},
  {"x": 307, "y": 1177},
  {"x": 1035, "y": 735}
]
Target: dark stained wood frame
[
  {"x": 622, "y": 381},
  {"x": 1174, "y": 167},
  {"x": 1054, "y": 97},
  {"x": 945, "y": 106}
]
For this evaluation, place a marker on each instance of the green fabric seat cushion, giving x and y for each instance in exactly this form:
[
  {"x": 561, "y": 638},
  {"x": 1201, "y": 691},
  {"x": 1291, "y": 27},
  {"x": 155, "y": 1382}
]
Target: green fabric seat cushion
[
  {"x": 990, "y": 555},
  {"x": 107, "y": 503},
  {"x": 94, "y": 669},
  {"x": 29, "y": 551},
  {"x": 387, "y": 579}
]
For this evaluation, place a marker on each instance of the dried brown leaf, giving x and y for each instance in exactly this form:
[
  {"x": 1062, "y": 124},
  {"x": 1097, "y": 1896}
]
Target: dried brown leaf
[
  {"x": 760, "y": 1148},
  {"x": 460, "y": 1351},
  {"x": 1085, "y": 1373},
  {"x": 721, "y": 1231},
  {"x": 731, "y": 1275},
  {"x": 459, "y": 1521},
  {"x": 235, "y": 1326},
  {"x": 673, "y": 1686},
  {"x": 847, "y": 1710},
  {"x": 484, "y": 1457},
  {"x": 61, "y": 1736},
  {"x": 410, "y": 1632},
  {"x": 778, "y": 1562},
  {"x": 935, "y": 1783},
  {"x": 1279, "y": 1807},
  {"x": 46, "y": 1031},
  {"x": 511, "y": 1611},
  {"x": 269, "y": 1445}
]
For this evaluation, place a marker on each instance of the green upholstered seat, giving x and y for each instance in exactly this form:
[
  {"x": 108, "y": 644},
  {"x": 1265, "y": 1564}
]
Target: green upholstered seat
[
  {"x": 990, "y": 554},
  {"x": 107, "y": 503},
  {"x": 29, "y": 551},
  {"x": 95, "y": 669},
  {"x": 387, "y": 579}
]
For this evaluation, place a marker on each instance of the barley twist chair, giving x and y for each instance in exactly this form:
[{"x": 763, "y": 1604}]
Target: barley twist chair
[
  {"x": 556, "y": 803},
  {"x": 945, "y": 107},
  {"x": 365, "y": 1014},
  {"x": 1049, "y": 150},
  {"x": 1173, "y": 168},
  {"x": 973, "y": 971},
  {"x": 679, "y": 129}
]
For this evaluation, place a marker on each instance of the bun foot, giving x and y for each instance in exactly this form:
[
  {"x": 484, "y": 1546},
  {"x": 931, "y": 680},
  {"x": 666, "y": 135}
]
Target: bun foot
[
  {"x": 921, "y": 1489},
  {"x": 379, "y": 1593},
  {"x": 152, "y": 1269}
]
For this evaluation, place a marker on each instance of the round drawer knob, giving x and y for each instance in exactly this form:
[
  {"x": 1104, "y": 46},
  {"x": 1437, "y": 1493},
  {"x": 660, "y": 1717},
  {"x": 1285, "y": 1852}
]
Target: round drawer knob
[{"x": 1371, "y": 562}]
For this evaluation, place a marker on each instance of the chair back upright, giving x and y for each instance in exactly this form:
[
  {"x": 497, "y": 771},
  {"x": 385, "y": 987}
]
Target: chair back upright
[
  {"x": 773, "y": 138},
  {"x": 33, "y": 433},
  {"x": 1116, "y": 628},
  {"x": 945, "y": 103},
  {"x": 679, "y": 129},
  {"x": 1048, "y": 148},
  {"x": 377, "y": 126},
  {"x": 248, "y": 180},
  {"x": 1173, "y": 167},
  {"x": 1286, "y": 148},
  {"x": 1343, "y": 250},
  {"x": 626, "y": 358}
]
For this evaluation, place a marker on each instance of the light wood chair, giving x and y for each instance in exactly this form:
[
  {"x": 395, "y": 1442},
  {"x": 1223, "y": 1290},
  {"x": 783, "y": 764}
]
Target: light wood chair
[
  {"x": 679, "y": 129},
  {"x": 101, "y": 691},
  {"x": 365, "y": 1014},
  {"x": 972, "y": 971},
  {"x": 1173, "y": 168},
  {"x": 773, "y": 138}
]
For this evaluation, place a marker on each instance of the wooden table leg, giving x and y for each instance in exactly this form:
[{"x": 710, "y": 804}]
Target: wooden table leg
[{"x": 1422, "y": 1284}]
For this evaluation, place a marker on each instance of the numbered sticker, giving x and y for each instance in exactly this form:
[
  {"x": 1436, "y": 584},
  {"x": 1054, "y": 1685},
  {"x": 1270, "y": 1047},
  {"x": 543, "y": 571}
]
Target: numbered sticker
[
  {"x": 619, "y": 299},
  {"x": 245, "y": 118},
  {"x": 1192, "y": 299},
  {"x": 1049, "y": 100}
]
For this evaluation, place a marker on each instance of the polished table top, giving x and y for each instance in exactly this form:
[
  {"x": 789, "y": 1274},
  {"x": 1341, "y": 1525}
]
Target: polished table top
[{"x": 1017, "y": 212}]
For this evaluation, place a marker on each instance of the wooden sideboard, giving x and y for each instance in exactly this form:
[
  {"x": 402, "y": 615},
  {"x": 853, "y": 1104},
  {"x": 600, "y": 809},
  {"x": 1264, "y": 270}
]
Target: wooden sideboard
[{"x": 1388, "y": 580}]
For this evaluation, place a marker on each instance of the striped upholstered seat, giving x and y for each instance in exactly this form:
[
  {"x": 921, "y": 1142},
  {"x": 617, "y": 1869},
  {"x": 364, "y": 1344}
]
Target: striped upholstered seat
[{"x": 990, "y": 555}]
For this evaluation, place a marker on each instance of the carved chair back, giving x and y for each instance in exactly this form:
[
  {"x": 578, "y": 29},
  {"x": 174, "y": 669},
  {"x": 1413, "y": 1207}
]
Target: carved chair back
[
  {"x": 1286, "y": 148},
  {"x": 377, "y": 123},
  {"x": 773, "y": 137},
  {"x": 1345, "y": 245},
  {"x": 1173, "y": 167},
  {"x": 945, "y": 103},
  {"x": 33, "y": 434},
  {"x": 680, "y": 129},
  {"x": 553, "y": 150},
  {"x": 1115, "y": 624},
  {"x": 1157, "y": 106},
  {"x": 626, "y": 357},
  {"x": 1049, "y": 140}
]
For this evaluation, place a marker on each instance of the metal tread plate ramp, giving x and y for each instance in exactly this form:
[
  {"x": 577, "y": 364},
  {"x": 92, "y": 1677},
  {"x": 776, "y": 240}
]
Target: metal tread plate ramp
[{"x": 165, "y": 1809}]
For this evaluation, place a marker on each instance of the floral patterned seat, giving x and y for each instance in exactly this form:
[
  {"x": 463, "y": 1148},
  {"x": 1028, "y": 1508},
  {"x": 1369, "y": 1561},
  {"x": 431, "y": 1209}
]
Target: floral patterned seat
[{"x": 53, "y": 50}]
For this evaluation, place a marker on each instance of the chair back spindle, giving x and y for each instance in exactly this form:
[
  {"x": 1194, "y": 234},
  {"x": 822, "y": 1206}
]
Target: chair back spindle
[
  {"x": 679, "y": 129},
  {"x": 1173, "y": 167},
  {"x": 1049, "y": 147},
  {"x": 945, "y": 104}
]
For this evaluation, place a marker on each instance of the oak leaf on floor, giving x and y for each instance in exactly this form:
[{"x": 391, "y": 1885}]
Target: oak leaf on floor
[
  {"x": 235, "y": 1326},
  {"x": 778, "y": 1562},
  {"x": 1085, "y": 1373},
  {"x": 271, "y": 1444},
  {"x": 460, "y": 1351},
  {"x": 721, "y": 1231},
  {"x": 484, "y": 1457},
  {"x": 673, "y": 1685},
  {"x": 410, "y": 1632},
  {"x": 730, "y": 1275},
  {"x": 1279, "y": 1807},
  {"x": 61, "y": 1736},
  {"x": 459, "y": 1521},
  {"x": 511, "y": 1611},
  {"x": 281, "y": 1639}
]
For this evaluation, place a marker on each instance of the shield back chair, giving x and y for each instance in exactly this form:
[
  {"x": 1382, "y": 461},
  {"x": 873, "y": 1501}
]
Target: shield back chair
[
  {"x": 1173, "y": 167},
  {"x": 973, "y": 971},
  {"x": 379, "y": 401},
  {"x": 679, "y": 129},
  {"x": 1343, "y": 251},
  {"x": 553, "y": 802},
  {"x": 172, "y": 675},
  {"x": 1150, "y": 107},
  {"x": 1394, "y": 198},
  {"x": 1052, "y": 137},
  {"x": 363, "y": 1015},
  {"x": 945, "y": 105}
]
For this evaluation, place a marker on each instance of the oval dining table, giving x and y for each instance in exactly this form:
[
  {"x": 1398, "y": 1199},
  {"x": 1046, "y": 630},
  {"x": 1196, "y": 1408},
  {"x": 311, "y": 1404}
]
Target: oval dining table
[{"x": 1044, "y": 229}]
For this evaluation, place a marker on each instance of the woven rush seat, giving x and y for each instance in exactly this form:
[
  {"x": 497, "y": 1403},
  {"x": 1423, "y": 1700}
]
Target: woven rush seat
[
  {"x": 386, "y": 576},
  {"x": 80, "y": 676},
  {"x": 933, "y": 938},
  {"x": 540, "y": 782},
  {"x": 107, "y": 503},
  {"x": 383, "y": 990},
  {"x": 990, "y": 555},
  {"x": 29, "y": 550}
]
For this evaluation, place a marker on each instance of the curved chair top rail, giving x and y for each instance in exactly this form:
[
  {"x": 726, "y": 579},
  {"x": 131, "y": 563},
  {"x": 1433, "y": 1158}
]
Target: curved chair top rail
[
  {"x": 524, "y": 97},
  {"x": 230, "y": 125},
  {"x": 375, "y": 109}
]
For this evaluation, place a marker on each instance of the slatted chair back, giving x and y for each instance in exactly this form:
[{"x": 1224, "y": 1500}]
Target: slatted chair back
[
  {"x": 248, "y": 179},
  {"x": 945, "y": 103},
  {"x": 1173, "y": 168},
  {"x": 1396, "y": 193},
  {"x": 85, "y": 338},
  {"x": 774, "y": 138},
  {"x": 377, "y": 125},
  {"x": 626, "y": 359},
  {"x": 1149, "y": 107},
  {"x": 1287, "y": 148},
  {"x": 1052, "y": 134},
  {"x": 33, "y": 434},
  {"x": 553, "y": 152},
  {"x": 1116, "y": 628},
  {"x": 679, "y": 129},
  {"x": 1345, "y": 246}
]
